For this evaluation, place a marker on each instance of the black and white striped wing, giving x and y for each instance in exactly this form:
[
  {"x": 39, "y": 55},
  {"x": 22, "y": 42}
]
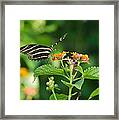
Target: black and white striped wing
[{"x": 36, "y": 51}]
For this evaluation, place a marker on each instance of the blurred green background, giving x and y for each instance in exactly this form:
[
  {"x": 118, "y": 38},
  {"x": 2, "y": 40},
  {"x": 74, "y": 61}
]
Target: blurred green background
[{"x": 83, "y": 37}]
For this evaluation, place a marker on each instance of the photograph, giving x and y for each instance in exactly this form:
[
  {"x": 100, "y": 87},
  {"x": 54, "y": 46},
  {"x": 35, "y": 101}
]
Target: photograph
[{"x": 59, "y": 60}]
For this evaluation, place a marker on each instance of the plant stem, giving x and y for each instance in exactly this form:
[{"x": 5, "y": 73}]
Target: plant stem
[
  {"x": 77, "y": 79},
  {"x": 76, "y": 71},
  {"x": 62, "y": 63},
  {"x": 70, "y": 90},
  {"x": 54, "y": 94},
  {"x": 66, "y": 77},
  {"x": 75, "y": 75},
  {"x": 64, "y": 67},
  {"x": 71, "y": 79}
]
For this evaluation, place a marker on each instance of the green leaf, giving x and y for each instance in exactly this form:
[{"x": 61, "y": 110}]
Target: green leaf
[
  {"x": 59, "y": 97},
  {"x": 48, "y": 70},
  {"x": 91, "y": 73},
  {"x": 66, "y": 83},
  {"x": 94, "y": 93},
  {"x": 80, "y": 69},
  {"x": 79, "y": 84}
]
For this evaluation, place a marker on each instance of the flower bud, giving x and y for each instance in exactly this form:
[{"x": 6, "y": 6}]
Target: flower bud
[
  {"x": 47, "y": 88},
  {"x": 56, "y": 85},
  {"x": 47, "y": 83},
  {"x": 52, "y": 78}
]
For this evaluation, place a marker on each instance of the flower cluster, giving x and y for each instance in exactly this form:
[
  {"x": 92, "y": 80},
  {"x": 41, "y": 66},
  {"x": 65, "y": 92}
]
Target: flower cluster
[
  {"x": 77, "y": 56},
  {"x": 59, "y": 56},
  {"x": 84, "y": 58},
  {"x": 73, "y": 56},
  {"x": 51, "y": 84}
]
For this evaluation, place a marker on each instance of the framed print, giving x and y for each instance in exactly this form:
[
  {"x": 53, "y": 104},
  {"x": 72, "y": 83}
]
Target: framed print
[{"x": 59, "y": 60}]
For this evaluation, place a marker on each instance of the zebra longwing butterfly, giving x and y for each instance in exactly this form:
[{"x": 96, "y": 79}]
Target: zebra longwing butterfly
[{"x": 39, "y": 52}]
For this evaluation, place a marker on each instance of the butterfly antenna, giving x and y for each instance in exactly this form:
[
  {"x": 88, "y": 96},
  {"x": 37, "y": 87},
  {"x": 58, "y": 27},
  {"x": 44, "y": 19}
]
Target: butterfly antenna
[{"x": 60, "y": 40}]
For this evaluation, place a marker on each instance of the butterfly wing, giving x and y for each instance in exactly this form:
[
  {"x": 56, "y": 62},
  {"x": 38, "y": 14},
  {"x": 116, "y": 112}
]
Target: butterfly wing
[{"x": 36, "y": 51}]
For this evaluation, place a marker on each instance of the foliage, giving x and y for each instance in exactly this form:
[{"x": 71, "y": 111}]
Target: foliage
[
  {"x": 48, "y": 69},
  {"x": 83, "y": 36},
  {"x": 73, "y": 65},
  {"x": 94, "y": 93},
  {"x": 91, "y": 73},
  {"x": 59, "y": 97}
]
